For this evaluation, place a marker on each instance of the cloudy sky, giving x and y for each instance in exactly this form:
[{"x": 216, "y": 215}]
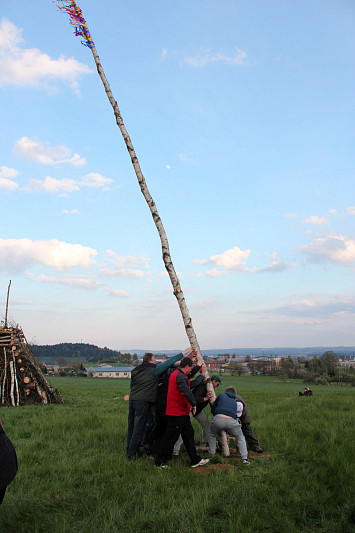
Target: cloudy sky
[{"x": 242, "y": 117}]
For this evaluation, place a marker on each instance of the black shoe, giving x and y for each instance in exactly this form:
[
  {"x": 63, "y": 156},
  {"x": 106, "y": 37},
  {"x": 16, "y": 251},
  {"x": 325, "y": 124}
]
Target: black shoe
[{"x": 258, "y": 450}]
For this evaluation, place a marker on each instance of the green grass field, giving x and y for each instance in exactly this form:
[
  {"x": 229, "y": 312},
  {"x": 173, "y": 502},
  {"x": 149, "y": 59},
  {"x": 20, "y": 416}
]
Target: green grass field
[{"x": 74, "y": 477}]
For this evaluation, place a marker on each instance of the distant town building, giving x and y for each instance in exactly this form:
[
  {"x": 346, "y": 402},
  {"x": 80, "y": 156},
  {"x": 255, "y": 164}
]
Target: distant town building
[{"x": 110, "y": 372}]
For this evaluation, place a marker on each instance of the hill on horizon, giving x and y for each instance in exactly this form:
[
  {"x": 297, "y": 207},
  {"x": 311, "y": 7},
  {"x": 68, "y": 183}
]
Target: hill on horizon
[
  {"x": 91, "y": 352},
  {"x": 283, "y": 351}
]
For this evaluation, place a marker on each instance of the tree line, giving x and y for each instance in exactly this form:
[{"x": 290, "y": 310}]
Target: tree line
[
  {"x": 319, "y": 370},
  {"x": 67, "y": 351}
]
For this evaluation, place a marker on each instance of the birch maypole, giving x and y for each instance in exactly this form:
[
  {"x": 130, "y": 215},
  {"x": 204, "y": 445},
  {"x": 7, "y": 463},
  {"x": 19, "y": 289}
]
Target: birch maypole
[
  {"x": 77, "y": 20},
  {"x": 81, "y": 29}
]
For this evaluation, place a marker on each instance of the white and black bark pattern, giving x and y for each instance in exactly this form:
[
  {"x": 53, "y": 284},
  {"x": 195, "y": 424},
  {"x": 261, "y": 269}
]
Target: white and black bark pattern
[
  {"x": 154, "y": 211},
  {"x": 159, "y": 225}
]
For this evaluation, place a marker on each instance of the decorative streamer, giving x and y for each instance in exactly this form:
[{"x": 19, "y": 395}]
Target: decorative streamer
[
  {"x": 81, "y": 28},
  {"x": 77, "y": 20}
]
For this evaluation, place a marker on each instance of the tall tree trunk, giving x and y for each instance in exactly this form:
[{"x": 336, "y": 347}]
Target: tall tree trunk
[
  {"x": 76, "y": 16},
  {"x": 154, "y": 211},
  {"x": 162, "y": 234}
]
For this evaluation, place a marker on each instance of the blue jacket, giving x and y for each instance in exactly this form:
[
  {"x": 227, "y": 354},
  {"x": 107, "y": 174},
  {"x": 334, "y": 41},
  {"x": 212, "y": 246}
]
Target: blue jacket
[{"x": 226, "y": 404}]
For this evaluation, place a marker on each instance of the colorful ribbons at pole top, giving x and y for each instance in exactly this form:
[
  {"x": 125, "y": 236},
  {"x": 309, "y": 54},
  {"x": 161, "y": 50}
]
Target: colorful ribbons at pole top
[{"x": 77, "y": 20}]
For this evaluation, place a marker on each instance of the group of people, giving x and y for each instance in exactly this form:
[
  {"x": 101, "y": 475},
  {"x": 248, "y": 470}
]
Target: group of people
[
  {"x": 307, "y": 392},
  {"x": 162, "y": 401}
]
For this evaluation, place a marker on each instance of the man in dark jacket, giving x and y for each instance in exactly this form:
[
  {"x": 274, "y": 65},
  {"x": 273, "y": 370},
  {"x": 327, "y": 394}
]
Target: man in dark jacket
[
  {"x": 8, "y": 462},
  {"x": 226, "y": 413},
  {"x": 252, "y": 441},
  {"x": 142, "y": 398},
  {"x": 180, "y": 401}
]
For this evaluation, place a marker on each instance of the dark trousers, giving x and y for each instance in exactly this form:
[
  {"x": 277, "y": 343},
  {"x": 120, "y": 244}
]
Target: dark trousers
[
  {"x": 137, "y": 420},
  {"x": 177, "y": 425},
  {"x": 157, "y": 434},
  {"x": 252, "y": 441},
  {"x": 2, "y": 494}
]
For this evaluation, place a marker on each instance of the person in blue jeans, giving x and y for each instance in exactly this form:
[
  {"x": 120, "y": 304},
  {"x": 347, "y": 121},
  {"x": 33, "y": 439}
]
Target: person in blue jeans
[
  {"x": 226, "y": 413},
  {"x": 143, "y": 396}
]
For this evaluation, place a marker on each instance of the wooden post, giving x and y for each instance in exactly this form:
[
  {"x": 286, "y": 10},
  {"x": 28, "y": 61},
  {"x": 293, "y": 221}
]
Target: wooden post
[
  {"x": 76, "y": 15},
  {"x": 7, "y": 303}
]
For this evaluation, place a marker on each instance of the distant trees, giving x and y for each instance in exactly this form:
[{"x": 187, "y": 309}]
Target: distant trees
[
  {"x": 64, "y": 352},
  {"x": 237, "y": 368},
  {"x": 321, "y": 370},
  {"x": 326, "y": 369}
]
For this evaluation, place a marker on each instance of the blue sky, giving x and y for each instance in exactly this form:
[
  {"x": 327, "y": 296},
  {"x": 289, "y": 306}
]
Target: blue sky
[{"x": 242, "y": 117}]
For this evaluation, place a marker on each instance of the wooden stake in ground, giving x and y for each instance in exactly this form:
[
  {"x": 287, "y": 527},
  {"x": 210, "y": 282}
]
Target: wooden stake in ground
[{"x": 77, "y": 20}]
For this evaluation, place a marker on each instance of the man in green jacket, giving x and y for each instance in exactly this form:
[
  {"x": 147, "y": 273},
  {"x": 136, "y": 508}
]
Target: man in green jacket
[{"x": 143, "y": 395}]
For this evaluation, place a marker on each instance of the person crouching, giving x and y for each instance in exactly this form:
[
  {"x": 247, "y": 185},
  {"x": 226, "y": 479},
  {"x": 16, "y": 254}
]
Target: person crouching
[{"x": 226, "y": 413}]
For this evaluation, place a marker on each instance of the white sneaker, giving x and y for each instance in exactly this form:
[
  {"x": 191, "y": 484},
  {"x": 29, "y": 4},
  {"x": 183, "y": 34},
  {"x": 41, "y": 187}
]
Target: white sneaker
[{"x": 203, "y": 462}]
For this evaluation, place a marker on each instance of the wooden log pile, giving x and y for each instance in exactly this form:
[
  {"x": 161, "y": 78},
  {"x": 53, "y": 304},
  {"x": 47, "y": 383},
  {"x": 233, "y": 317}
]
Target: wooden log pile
[{"x": 21, "y": 379}]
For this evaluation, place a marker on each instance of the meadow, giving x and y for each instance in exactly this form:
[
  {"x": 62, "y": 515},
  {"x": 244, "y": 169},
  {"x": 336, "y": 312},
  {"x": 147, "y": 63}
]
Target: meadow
[{"x": 74, "y": 477}]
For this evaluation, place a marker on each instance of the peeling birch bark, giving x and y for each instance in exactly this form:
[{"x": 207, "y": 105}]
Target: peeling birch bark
[
  {"x": 177, "y": 290},
  {"x": 12, "y": 384}
]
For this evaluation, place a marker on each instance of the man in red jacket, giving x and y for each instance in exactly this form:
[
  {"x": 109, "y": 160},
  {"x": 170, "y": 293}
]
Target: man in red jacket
[{"x": 180, "y": 402}]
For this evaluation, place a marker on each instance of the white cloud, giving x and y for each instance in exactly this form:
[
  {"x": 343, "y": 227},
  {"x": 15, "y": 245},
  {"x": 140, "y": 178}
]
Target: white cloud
[
  {"x": 95, "y": 180},
  {"x": 130, "y": 261},
  {"x": 36, "y": 151},
  {"x": 233, "y": 259},
  {"x": 206, "y": 57},
  {"x": 291, "y": 215},
  {"x": 316, "y": 221},
  {"x": 29, "y": 67},
  {"x": 19, "y": 254},
  {"x": 332, "y": 248},
  {"x": 164, "y": 54},
  {"x": 70, "y": 211},
  {"x": 122, "y": 273},
  {"x": 117, "y": 292},
  {"x": 7, "y": 175},
  {"x": 275, "y": 266},
  {"x": 214, "y": 273},
  {"x": 82, "y": 283},
  {"x": 8, "y": 184},
  {"x": 53, "y": 185},
  {"x": 351, "y": 210},
  {"x": 7, "y": 172}
]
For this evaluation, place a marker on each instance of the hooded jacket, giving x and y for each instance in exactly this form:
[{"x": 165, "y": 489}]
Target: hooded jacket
[{"x": 227, "y": 405}]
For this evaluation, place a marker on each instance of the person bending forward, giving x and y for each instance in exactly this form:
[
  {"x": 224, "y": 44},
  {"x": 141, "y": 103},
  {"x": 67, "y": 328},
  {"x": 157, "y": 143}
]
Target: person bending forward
[
  {"x": 180, "y": 400},
  {"x": 226, "y": 412}
]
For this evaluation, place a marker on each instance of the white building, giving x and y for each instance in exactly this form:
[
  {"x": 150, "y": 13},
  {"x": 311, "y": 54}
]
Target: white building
[{"x": 110, "y": 372}]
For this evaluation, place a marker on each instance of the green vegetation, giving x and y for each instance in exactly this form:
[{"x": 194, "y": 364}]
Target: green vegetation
[
  {"x": 67, "y": 351},
  {"x": 74, "y": 477},
  {"x": 321, "y": 370}
]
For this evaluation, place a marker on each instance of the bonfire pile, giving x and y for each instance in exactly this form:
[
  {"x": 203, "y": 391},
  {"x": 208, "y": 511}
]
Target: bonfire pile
[{"x": 21, "y": 378}]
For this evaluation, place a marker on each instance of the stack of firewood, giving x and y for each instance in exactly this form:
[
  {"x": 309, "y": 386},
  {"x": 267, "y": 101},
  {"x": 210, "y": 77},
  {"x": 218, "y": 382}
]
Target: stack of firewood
[{"x": 21, "y": 378}]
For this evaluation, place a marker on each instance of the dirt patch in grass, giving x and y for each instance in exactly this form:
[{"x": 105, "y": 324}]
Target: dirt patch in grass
[
  {"x": 232, "y": 462},
  {"x": 215, "y": 468}
]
